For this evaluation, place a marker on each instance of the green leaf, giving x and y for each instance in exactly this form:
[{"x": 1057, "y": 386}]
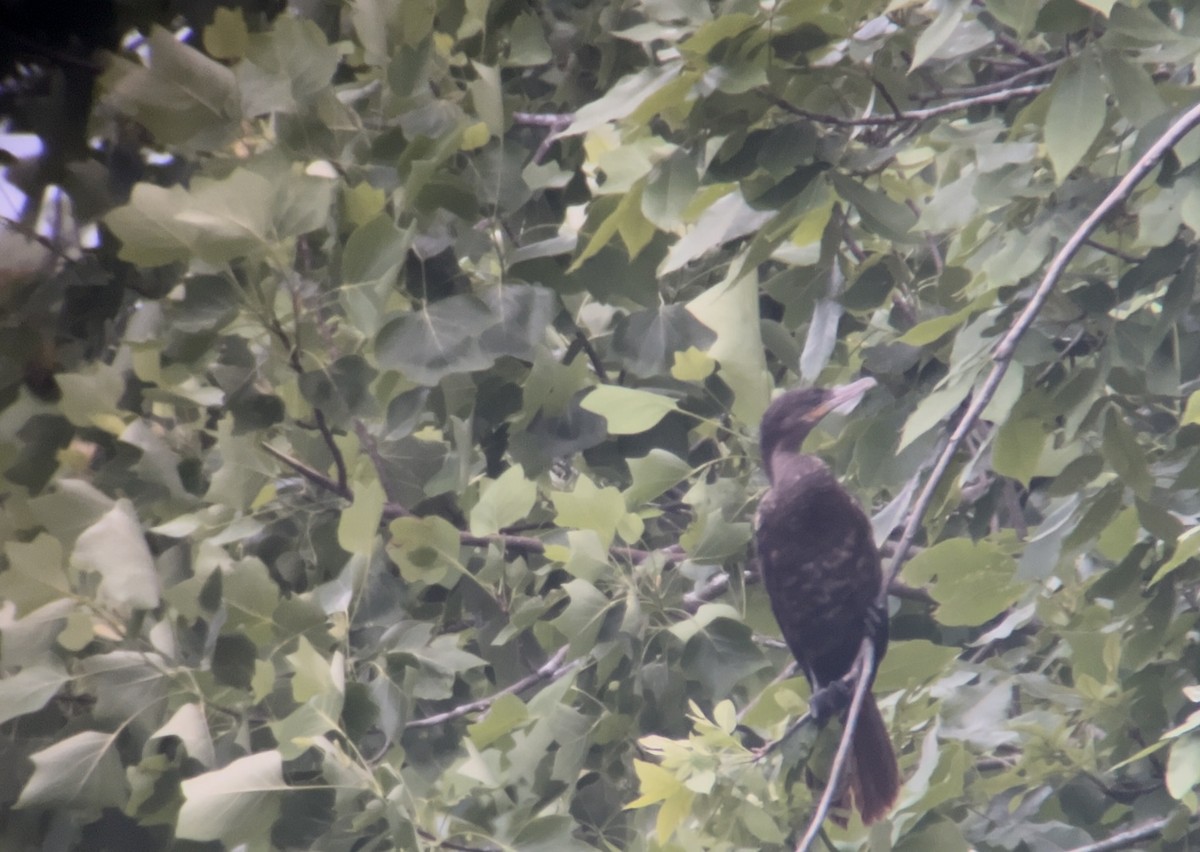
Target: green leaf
[
  {"x": 622, "y": 98},
  {"x": 82, "y": 771},
  {"x": 1191, "y": 411},
  {"x": 652, "y": 475},
  {"x": 1186, "y": 548},
  {"x": 521, "y": 316},
  {"x": 587, "y": 507},
  {"x": 647, "y": 341},
  {"x": 506, "y": 714},
  {"x": 949, "y": 16},
  {"x": 374, "y": 251},
  {"x": 35, "y": 574},
  {"x": 1018, "y": 448},
  {"x": 503, "y": 501},
  {"x": 730, "y": 309},
  {"x": 436, "y": 341},
  {"x": 669, "y": 190},
  {"x": 217, "y": 220},
  {"x": 627, "y": 411},
  {"x": 180, "y": 95},
  {"x": 971, "y": 581},
  {"x": 233, "y": 804},
  {"x": 425, "y": 549},
  {"x": 584, "y": 616},
  {"x": 29, "y": 689},
  {"x": 191, "y": 728},
  {"x": 880, "y": 214},
  {"x": 721, "y": 655},
  {"x": 1104, "y": 7},
  {"x": 1123, "y": 452},
  {"x": 226, "y": 37},
  {"x": 527, "y": 43},
  {"x": 1076, "y": 114},
  {"x": 1183, "y": 766},
  {"x": 913, "y": 663},
  {"x": 115, "y": 549}
]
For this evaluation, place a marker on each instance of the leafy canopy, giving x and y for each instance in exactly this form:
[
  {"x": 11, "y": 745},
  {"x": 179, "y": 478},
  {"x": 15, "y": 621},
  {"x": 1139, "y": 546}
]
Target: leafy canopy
[{"x": 378, "y": 405}]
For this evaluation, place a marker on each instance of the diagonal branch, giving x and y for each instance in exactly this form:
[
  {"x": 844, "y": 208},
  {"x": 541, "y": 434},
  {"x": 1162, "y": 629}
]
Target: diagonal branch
[
  {"x": 551, "y": 670},
  {"x": 1002, "y": 96},
  {"x": 312, "y": 475},
  {"x": 866, "y": 662},
  {"x": 1002, "y": 356},
  {"x": 1125, "y": 839}
]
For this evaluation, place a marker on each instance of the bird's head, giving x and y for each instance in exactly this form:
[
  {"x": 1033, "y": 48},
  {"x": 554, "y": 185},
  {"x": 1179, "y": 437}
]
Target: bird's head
[{"x": 793, "y": 415}]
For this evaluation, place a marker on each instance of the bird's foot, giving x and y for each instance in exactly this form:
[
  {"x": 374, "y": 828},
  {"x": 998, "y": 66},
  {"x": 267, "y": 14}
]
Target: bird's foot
[{"x": 830, "y": 701}]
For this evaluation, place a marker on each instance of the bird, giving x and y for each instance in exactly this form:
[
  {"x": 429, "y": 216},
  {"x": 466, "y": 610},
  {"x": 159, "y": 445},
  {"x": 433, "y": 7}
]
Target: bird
[{"x": 822, "y": 575}]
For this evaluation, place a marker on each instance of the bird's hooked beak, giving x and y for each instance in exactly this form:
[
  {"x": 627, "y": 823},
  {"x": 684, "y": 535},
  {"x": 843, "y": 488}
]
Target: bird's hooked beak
[{"x": 841, "y": 399}]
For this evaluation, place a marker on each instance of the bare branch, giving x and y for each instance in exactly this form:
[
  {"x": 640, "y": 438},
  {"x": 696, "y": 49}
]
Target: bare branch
[
  {"x": 866, "y": 661},
  {"x": 293, "y": 348},
  {"x": 448, "y": 844},
  {"x": 1125, "y": 839},
  {"x": 999, "y": 97},
  {"x": 551, "y": 670},
  {"x": 1117, "y": 253},
  {"x": 556, "y": 122},
  {"x": 1002, "y": 356},
  {"x": 312, "y": 475},
  {"x": 1000, "y": 85}
]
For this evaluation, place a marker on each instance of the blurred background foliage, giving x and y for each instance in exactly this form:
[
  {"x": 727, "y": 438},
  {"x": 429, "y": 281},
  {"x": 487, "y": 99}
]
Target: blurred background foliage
[{"x": 379, "y": 385}]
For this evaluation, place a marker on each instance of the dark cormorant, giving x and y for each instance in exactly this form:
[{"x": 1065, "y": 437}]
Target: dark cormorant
[{"x": 822, "y": 574}]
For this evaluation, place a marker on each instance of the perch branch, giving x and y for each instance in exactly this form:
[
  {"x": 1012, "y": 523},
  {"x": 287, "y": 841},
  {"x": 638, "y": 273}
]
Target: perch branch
[
  {"x": 912, "y": 115},
  {"x": 551, "y": 670},
  {"x": 866, "y": 661},
  {"x": 1002, "y": 356}
]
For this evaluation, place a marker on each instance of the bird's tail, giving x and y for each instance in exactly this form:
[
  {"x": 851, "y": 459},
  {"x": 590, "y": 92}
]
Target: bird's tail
[{"x": 874, "y": 775}]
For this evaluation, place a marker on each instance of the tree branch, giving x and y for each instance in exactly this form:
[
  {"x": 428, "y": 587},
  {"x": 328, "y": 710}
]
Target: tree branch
[
  {"x": 556, "y": 122},
  {"x": 1000, "y": 85},
  {"x": 312, "y": 475},
  {"x": 912, "y": 115},
  {"x": 1002, "y": 356},
  {"x": 293, "y": 347},
  {"x": 1125, "y": 839},
  {"x": 866, "y": 661},
  {"x": 551, "y": 670}
]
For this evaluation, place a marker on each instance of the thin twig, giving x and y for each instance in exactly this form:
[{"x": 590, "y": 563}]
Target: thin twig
[
  {"x": 293, "y": 347},
  {"x": 556, "y": 122},
  {"x": 1132, "y": 259},
  {"x": 580, "y": 343},
  {"x": 912, "y": 115},
  {"x": 449, "y": 844},
  {"x": 1002, "y": 356},
  {"x": 999, "y": 85},
  {"x": 313, "y": 476},
  {"x": 551, "y": 670},
  {"x": 866, "y": 661},
  {"x": 1125, "y": 839}
]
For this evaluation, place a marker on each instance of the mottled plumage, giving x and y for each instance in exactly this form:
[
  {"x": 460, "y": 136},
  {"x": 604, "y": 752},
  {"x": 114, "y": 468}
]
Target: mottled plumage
[{"x": 822, "y": 574}]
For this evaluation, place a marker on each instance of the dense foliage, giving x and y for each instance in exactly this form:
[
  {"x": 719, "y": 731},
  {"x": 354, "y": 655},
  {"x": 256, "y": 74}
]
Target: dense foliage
[{"x": 378, "y": 402}]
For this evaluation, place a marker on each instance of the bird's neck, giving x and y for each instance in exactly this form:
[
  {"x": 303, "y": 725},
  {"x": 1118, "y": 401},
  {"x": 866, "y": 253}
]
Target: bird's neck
[{"x": 786, "y": 465}]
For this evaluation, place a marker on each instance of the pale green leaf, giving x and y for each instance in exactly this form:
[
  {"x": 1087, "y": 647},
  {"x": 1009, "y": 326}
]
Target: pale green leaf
[
  {"x": 1183, "y": 766},
  {"x": 1076, "y": 114},
  {"x": 29, "y": 689},
  {"x": 503, "y": 501},
  {"x": 82, "y": 771},
  {"x": 235, "y": 803},
  {"x": 115, "y": 549},
  {"x": 627, "y": 411}
]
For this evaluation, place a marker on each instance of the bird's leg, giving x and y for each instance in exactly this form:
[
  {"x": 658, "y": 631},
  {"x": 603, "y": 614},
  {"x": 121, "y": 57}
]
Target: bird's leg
[{"x": 830, "y": 700}]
